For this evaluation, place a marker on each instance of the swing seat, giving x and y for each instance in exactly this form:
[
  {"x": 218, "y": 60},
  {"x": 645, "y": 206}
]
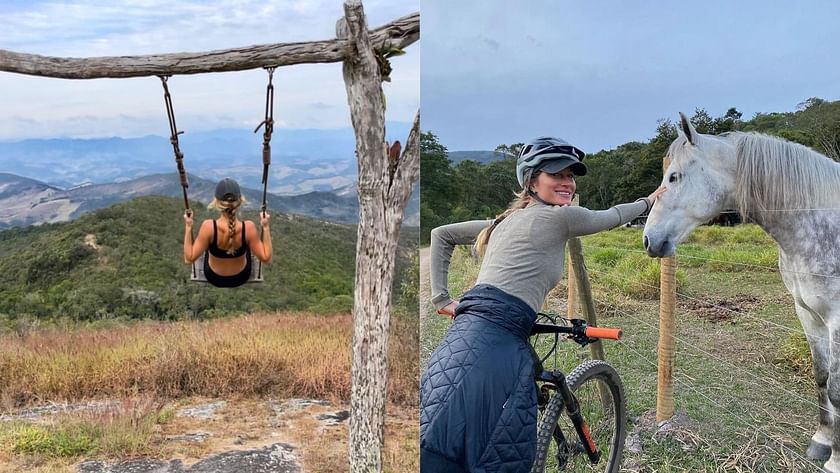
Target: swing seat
[{"x": 198, "y": 270}]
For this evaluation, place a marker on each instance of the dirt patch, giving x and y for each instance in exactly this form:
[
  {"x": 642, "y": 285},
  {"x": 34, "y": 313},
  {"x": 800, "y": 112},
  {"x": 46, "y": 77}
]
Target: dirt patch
[
  {"x": 90, "y": 240},
  {"x": 646, "y": 429},
  {"x": 720, "y": 310}
]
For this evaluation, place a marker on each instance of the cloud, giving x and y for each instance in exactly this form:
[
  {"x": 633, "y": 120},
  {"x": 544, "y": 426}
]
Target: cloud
[
  {"x": 494, "y": 45},
  {"x": 311, "y": 96},
  {"x": 321, "y": 106}
]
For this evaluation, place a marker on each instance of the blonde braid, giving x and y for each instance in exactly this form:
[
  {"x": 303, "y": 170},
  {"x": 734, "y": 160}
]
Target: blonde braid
[
  {"x": 230, "y": 212},
  {"x": 229, "y": 209},
  {"x": 523, "y": 198}
]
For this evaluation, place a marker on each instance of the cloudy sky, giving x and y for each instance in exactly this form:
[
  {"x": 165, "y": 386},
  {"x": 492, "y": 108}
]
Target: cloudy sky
[
  {"x": 602, "y": 73},
  {"x": 306, "y": 96}
]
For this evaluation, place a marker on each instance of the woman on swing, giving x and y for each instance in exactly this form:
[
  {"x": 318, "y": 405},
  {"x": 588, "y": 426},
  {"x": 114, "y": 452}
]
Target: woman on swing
[{"x": 227, "y": 240}]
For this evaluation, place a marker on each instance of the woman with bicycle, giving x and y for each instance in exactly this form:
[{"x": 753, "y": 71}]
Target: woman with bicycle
[{"x": 478, "y": 398}]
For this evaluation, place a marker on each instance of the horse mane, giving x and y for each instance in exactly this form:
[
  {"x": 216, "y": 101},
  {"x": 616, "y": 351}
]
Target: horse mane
[{"x": 776, "y": 174}]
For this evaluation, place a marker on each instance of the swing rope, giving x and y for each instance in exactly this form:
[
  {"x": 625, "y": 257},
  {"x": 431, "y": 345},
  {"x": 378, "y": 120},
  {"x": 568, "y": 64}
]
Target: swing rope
[
  {"x": 269, "y": 128},
  {"x": 256, "y": 275},
  {"x": 173, "y": 138}
]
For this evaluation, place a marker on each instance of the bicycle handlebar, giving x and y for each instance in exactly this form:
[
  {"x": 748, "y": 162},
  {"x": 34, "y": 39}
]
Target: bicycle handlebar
[
  {"x": 579, "y": 329},
  {"x": 603, "y": 332}
]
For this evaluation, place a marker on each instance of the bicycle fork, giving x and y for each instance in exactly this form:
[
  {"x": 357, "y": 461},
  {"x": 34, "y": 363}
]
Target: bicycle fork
[{"x": 570, "y": 403}]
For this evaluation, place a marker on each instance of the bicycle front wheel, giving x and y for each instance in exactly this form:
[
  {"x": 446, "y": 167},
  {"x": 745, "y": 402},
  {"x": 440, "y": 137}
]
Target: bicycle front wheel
[{"x": 600, "y": 395}]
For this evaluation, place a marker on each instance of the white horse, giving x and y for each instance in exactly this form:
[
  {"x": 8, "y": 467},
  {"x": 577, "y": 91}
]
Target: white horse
[{"x": 793, "y": 193}]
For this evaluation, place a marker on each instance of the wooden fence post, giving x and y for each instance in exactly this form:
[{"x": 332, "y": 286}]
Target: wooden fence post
[
  {"x": 667, "y": 323},
  {"x": 571, "y": 286},
  {"x": 584, "y": 290}
]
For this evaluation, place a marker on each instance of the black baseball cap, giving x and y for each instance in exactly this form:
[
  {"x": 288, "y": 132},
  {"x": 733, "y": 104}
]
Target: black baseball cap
[{"x": 228, "y": 189}]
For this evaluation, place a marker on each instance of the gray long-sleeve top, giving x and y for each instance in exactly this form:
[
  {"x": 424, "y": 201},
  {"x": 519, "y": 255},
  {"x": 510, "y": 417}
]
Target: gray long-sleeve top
[{"x": 526, "y": 251}]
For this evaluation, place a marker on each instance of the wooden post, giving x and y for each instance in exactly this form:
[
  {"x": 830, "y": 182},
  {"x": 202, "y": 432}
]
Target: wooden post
[
  {"x": 596, "y": 349},
  {"x": 571, "y": 298},
  {"x": 584, "y": 292},
  {"x": 667, "y": 324},
  {"x": 384, "y": 188}
]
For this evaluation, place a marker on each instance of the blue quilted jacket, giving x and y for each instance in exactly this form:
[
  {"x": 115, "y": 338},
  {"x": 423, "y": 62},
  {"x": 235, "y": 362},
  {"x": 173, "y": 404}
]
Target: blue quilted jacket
[{"x": 478, "y": 403}]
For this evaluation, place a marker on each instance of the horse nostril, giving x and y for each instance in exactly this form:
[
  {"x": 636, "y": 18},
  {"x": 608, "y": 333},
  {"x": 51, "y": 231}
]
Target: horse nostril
[{"x": 646, "y": 242}]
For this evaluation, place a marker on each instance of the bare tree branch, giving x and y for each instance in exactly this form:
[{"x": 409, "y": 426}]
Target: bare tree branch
[
  {"x": 408, "y": 168},
  {"x": 397, "y": 34}
]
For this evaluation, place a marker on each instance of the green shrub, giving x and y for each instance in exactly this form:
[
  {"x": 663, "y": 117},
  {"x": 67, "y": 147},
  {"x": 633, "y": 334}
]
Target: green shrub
[{"x": 56, "y": 441}]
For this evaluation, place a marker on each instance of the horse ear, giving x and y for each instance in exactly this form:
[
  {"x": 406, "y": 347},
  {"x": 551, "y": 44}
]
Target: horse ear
[{"x": 688, "y": 129}]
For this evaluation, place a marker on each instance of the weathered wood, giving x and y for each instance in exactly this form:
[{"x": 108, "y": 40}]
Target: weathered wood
[
  {"x": 587, "y": 304},
  {"x": 665, "y": 355},
  {"x": 667, "y": 325},
  {"x": 382, "y": 200},
  {"x": 571, "y": 291},
  {"x": 584, "y": 290},
  {"x": 571, "y": 295},
  {"x": 397, "y": 34}
]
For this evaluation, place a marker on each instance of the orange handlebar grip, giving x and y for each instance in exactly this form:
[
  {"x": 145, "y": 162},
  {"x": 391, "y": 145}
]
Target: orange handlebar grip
[{"x": 603, "y": 332}]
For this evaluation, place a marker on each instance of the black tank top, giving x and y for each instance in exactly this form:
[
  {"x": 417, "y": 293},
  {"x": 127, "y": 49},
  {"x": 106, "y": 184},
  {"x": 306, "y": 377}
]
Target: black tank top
[{"x": 220, "y": 253}]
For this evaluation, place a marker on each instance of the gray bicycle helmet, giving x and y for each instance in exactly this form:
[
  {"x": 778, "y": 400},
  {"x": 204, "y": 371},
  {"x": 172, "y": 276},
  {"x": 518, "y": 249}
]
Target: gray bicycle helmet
[{"x": 550, "y": 155}]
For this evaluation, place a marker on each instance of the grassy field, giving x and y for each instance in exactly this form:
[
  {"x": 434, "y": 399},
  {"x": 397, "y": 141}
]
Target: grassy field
[
  {"x": 744, "y": 394},
  {"x": 144, "y": 371}
]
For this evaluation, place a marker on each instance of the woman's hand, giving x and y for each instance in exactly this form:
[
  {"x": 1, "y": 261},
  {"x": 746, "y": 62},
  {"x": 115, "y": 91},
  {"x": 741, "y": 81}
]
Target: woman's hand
[
  {"x": 655, "y": 194},
  {"x": 264, "y": 219},
  {"x": 449, "y": 309},
  {"x": 188, "y": 218}
]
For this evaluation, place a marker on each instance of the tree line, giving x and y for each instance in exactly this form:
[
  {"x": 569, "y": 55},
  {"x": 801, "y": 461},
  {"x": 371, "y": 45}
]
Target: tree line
[{"x": 467, "y": 190}]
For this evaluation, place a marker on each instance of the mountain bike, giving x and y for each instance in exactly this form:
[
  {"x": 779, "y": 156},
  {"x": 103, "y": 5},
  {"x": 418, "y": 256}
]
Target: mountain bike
[{"x": 590, "y": 437}]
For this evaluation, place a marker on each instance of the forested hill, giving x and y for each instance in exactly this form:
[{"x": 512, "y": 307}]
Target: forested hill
[
  {"x": 456, "y": 191},
  {"x": 126, "y": 261}
]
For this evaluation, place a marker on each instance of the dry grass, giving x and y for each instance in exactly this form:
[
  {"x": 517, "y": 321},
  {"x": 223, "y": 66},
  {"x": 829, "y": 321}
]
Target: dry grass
[
  {"x": 151, "y": 368},
  {"x": 280, "y": 355}
]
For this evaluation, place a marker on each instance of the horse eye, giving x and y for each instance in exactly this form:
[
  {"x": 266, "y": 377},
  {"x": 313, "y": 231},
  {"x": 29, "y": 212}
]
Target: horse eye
[{"x": 674, "y": 177}]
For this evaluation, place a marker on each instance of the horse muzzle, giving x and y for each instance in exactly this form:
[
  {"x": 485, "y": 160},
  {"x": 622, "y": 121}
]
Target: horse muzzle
[{"x": 659, "y": 247}]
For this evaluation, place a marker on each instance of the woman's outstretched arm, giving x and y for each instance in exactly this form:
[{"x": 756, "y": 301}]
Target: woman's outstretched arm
[{"x": 582, "y": 221}]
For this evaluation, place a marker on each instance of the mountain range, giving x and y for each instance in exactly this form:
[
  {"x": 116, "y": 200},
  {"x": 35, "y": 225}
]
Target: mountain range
[
  {"x": 302, "y": 160},
  {"x": 482, "y": 157},
  {"x": 25, "y": 201},
  {"x": 313, "y": 172}
]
